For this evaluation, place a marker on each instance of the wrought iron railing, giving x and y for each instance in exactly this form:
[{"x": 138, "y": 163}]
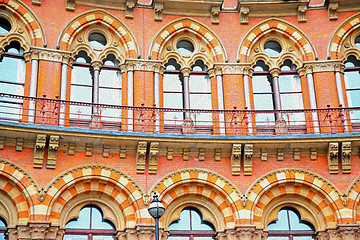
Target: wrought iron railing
[{"x": 181, "y": 121}]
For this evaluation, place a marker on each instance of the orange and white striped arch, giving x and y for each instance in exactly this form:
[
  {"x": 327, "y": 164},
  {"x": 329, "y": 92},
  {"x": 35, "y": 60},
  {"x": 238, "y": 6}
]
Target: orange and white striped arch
[
  {"x": 288, "y": 31},
  {"x": 102, "y": 180},
  {"x": 305, "y": 186},
  {"x": 212, "y": 187},
  {"x": 353, "y": 194},
  {"x": 32, "y": 24},
  {"x": 16, "y": 183},
  {"x": 202, "y": 32},
  {"x": 99, "y": 17},
  {"x": 340, "y": 34}
]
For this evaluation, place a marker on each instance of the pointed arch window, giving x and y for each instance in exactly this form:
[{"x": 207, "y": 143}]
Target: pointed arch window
[
  {"x": 191, "y": 226},
  {"x": 90, "y": 225},
  {"x": 2, "y": 228},
  {"x": 289, "y": 226},
  {"x": 12, "y": 80},
  {"x": 352, "y": 85}
]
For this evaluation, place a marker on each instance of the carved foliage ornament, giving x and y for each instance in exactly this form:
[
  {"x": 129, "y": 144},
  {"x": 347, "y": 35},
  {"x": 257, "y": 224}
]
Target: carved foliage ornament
[
  {"x": 158, "y": 11},
  {"x": 215, "y": 12},
  {"x": 333, "y": 155},
  {"x": 141, "y": 157},
  {"x": 52, "y": 152},
  {"x": 39, "y": 151},
  {"x": 244, "y": 15},
  {"x": 248, "y": 154},
  {"x": 153, "y": 154},
  {"x": 345, "y": 157},
  {"x": 235, "y": 159}
]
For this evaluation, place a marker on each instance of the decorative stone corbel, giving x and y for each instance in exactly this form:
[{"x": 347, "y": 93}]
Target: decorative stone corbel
[
  {"x": 244, "y": 15},
  {"x": 39, "y": 150},
  {"x": 70, "y": 5},
  {"x": 201, "y": 154},
  {"x": 36, "y": 230},
  {"x": 19, "y": 144},
  {"x": 236, "y": 159},
  {"x": 88, "y": 150},
  {"x": 106, "y": 151},
  {"x": 215, "y": 12},
  {"x": 243, "y": 199},
  {"x": 153, "y": 154},
  {"x": 122, "y": 151},
  {"x": 280, "y": 154},
  {"x": 333, "y": 10},
  {"x": 344, "y": 199},
  {"x": 302, "y": 13},
  {"x": 140, "y": 157},
  {"x": 170, "y": 153},
  {"x": 247, "y": 159},
  {"x": 129, "y": 11},
  {"x": 71, "y": 149},
  {"x": 2, "y": 143},
  {"x": 52, "y": 151},
  {"x": 333, "y": 154},
  {"x": 36, "y": 2},
  {"x": 186, "y": 153},
  {"x": 146, "y": 199},
  {"x": 158, "y": 11},
  {"x": 263, "y": 154},
  {"x": 345, "y": 157},
  {"x": 296, "y": 154},
  {"x": 313, "y": 154},
  {"x": 217, "y": 154}
]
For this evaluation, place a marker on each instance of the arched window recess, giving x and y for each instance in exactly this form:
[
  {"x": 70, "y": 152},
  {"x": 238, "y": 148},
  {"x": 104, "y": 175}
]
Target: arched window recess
[{"x": 352, "y": 85}]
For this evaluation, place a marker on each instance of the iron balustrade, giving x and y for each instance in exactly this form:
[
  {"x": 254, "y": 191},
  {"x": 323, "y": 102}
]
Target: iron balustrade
[{"x": 152, "y": 119}]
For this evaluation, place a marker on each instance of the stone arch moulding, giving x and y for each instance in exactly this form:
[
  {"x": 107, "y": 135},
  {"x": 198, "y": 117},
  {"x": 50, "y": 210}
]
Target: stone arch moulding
[
  {"x": 353, "y": 203},
  {"x": 311, "y": 188},
  {"x": 340, "y": 34},
  {"x": 95, "y": 179},
  {"x": 289, "y": 31},
  {"x": 27, "y": 16},
  {"x": 202, "y": 32},
  {"x": 97, "y": 16},
  {"x": 21, "y": 188},
  {"x": 208, "y": 185}
]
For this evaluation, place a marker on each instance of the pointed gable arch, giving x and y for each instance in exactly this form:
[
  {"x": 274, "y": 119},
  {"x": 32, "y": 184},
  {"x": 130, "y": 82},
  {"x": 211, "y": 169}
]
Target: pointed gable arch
[
  {"x": 304, "y": 186},
  {"x": 335, "y": 47},
  {"x": 203, "y": 33},
  {"x": 287, "y": 30},
  {"x": 110, "y": 22},
  {"x": 32, "y": 25},
  {"x": 204, "y": 184}
]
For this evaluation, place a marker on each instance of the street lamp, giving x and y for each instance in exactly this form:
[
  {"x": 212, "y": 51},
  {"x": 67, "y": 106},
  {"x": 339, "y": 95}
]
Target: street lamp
[{"x": 156, "y": 209}]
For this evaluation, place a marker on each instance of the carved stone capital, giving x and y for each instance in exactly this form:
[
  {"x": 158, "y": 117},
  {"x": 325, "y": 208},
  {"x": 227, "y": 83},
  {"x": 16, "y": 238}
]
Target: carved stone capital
[
  {"x": 186, "y": 71},
  {"x": 339, "y": 67},
  {"x": 275, "y": 72},
  {"x": 70, "y": 5},
  {"x": 301, "y": 71},
  {"x": 321, "y": 66},
  {"x": 231, "y": 68},
  {"x": 27, "y": 56},
  {"x": 36, "y": 230},
  {"x": 159, "y": 68},
  {"x": 96, "y": 65},
  {"x": 212, "y": 72}
]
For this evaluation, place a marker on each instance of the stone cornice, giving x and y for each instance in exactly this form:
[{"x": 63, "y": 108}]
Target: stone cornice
[
  {"x": 231, "y": 68},
  {"x": 143, "y": 65},
  {"x": 323, "y": 66},
  {"x": 50, "y": 55}
]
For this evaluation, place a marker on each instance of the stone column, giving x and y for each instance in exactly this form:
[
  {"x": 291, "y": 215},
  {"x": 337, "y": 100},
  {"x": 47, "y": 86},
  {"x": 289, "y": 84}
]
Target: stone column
[
  {"x": 67, "y": 62},
  {"x": 159, "y": 70},
  {"x": 220, "y": 100},
  {"x": 248, "y": 73},
  {"x": 275, "y": 75},
  {"x": 186, "y": 73},
  {"x": 312, "y": 96},
  {"x": 95, "y": 118},
  {"x": 130, "y": 96},
  {"x": 339, "y": 71},
  {"x": 33, "y": 85}
]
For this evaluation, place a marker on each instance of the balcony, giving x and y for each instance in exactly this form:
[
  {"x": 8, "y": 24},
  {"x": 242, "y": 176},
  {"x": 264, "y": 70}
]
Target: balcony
[{"x": 55, "y": 112}]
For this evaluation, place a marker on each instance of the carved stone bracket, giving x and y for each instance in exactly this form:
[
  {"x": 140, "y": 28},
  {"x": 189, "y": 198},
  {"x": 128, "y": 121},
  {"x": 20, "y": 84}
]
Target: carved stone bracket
[
  {"x": 36, "y": 2},
  {"x": 296, "y": 154},
  {"x": 71, "y": 149},
  {"x": 70, "y": 5},
  {"x": 122, "y": 151},
  {"x": 170, "y": 153},
  {"x": 106, "y": 151},
  {"x": 302, "y": 13},
  {"x": 186, "y": 153},
  {"x": 333, "y": 10},
  {"x": 19, "y": 144},
  {"x": 2, "y": 143},
  {"x": 52, "y": 151},
  {"x": 215, "y": 12},
  {"x": 39, "y": 150},
  {"x": 153, "y": 154},
  {"x": 244, "y": 15},
  {"x": 247, "y": 159},
  {"x": 201, "y": 154},
  {"x": 141, "y": 157},
  {"x": 88, "y": 150},
  {"x": 158, "y": 11},
  {"x": 129, "y": 11},
  {"x": 345, "y": 157},
  {"x": 236, "y": 159},
  {"x": 280, "y": 154},
  {"x": 263, "y": 154},
  {"x": 333, "y": 155},
  {"x": 217, "y": 154},
  {"x": 313, "y": 154}
]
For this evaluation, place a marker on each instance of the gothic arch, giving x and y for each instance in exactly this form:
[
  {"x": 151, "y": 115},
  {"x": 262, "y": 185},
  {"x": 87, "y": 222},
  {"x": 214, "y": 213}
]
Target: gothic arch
[
  {"x": 88, "y": 181},
  {"x": 21, "y": 189},
  {"x": 288, "y": 31},
  {"x": 24, "y": 15},
  {"x": 202, "y": 184},
  {"x": 353, "y": 194},
  {"x": 209, "y": 39},
  {"x": 309, "y": 189},
  {"x": 336, "y": 44},
  {"x": 113, "y": 25}
]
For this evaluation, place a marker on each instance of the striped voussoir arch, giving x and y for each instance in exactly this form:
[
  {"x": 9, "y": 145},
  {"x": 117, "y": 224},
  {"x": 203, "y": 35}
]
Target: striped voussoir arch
[
  {"x": 288, "y": 32},
  {"x": 99, "y": 17},
  {"x": 32, "y": 25},
  {"x": 201, "y": 32},
  {"x": 20, "y": 188},
  {"x": 353, "y": 194},
  {"x": 341, "y": 33},
  {"x": 304, "y": 185},
  {"x": 95, "y": 179},
  {"x": 208, "y": 185}
]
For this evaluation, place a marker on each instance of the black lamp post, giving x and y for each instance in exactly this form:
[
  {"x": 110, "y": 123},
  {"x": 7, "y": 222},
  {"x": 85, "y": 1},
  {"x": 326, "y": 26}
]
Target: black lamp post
[{"x": 156, "y": 210}]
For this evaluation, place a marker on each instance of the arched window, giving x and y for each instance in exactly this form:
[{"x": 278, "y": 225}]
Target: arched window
[
  {"x": 90, "y": 225},
  {"x": 12, "y": 80},
  {"x": 289, "y": 226},
  {"x": 2, "y": 229},
  {"x": 352, "y": 84},
  {"x": 191, "y": 226}
]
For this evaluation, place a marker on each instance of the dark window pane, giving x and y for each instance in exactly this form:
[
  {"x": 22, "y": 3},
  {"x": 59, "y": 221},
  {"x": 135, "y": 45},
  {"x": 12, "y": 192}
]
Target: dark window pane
[
  {"x": 172, "y": 65},
  {"x": 97, "y": 40},
  {"x": 185, "y": 47},
  {"x": 272, "y": 48},
  {"x": 5, "y": 26},
  {"x": 199, "y": 66},
  {"x": 357, "y": 41}
]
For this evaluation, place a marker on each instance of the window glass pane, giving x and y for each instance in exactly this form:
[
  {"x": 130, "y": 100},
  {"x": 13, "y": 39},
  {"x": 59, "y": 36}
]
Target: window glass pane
[
  {"x": 83, "y": 222},
  {"x": 12, "y": 70},
  {"x": 185, "y": 47},
  {"x": 264, "y": 102},
  {"x": 293, "y": 101},
  {"x": 272, "y": 48},
  {"x": 201, "y": 101},
  {"x": 261, "y": 84},
  {"x": 5, "y": 26},
  {"x": 172, "y": 83},
  {"x": 81, "y": 94},
  {"x": 352, "y": 79},
  {"x": 97, "y": 40},
  {"x": 261, "y": 67},
  {"x": 177, "y": 238},
  {"x": 103, "y": 237},
  {"x": 303, "y": 238},
  {"x": 110, "y": 78},
  {"x": 357, "y": 41},
  {"x": 278, "y": 238},
  {"x": 288, "y": 66},
  {"x": 183, "y": 223},
  {"x": 112, "y": 97},
  {"x": 12, "y": 89},
  {"x": 173, "y": 100},
  {"x": 172, "y": 65},
  {"x": 98, "y": 221},
  {"x": 203, "y": 238},
  {"x": 2, "y": 236},
  {"x": 198, "y": 224},
  {"x": 2, "y": 223},
  {"x": 82, "y": 75},
  {"x": 75, "y": 237},
  {"x": 199, "y": 66},
  {"x": 199, "y": 83},
  {"x": 296, "y": 223},
  {"x": 290, "y": 83},
  {"x": 11, "y": 108},
  {"x": 282, "y": 224}
]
